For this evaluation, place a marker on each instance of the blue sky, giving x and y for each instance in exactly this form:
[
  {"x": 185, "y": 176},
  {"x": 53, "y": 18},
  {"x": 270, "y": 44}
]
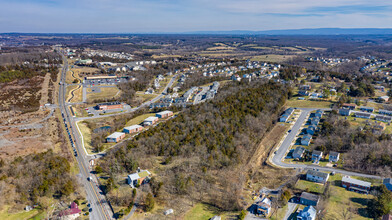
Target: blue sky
[{"x": 135, "y": 16}]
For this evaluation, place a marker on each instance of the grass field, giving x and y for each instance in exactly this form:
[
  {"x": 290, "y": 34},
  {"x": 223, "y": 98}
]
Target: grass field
[
  {"x": 33, "y": 214},
  {"x": 203, "y": 211},
  {"x": 272, "y": 58},
  {"x": 86, "y": 133},
  {"x": 308, "y": 104},
  {"x": 145, "y": 97},
  {"x": 311, "y": 186},
  {"x": 139, "y": 119},
  {"x": 106, "y": 92}
]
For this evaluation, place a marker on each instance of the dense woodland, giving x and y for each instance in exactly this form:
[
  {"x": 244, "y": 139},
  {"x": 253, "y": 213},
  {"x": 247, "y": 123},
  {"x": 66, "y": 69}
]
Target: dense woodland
[
  {"x": 205, "y": 148},
  {"x": 365, "y": 150},
  {"x": 36, "y": 179}
]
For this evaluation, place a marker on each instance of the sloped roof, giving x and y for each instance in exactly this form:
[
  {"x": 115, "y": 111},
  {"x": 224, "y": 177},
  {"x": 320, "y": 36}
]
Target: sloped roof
[{"x": 317, "y": 173}]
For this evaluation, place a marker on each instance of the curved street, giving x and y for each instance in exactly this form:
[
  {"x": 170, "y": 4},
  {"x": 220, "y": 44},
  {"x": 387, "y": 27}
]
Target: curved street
[{"x": 280, "y": 153}]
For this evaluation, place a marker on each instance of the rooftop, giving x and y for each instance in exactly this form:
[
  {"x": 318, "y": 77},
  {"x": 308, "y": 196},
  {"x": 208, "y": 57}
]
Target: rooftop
[
  {"x": 348, "y": 179},
  {"x": 133, "y": 127},
  {"x": 309, "y": 196},
  {"x": 317, "y": 173},
  {"x": 116, "y": 135}
]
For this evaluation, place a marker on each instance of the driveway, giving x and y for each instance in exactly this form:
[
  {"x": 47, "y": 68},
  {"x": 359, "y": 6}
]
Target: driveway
[{"x": 290, "y": 210}]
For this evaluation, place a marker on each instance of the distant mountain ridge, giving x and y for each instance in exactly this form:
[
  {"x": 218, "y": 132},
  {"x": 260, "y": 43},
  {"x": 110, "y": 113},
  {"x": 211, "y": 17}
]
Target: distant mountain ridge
[{"x": 307, "y": 31}]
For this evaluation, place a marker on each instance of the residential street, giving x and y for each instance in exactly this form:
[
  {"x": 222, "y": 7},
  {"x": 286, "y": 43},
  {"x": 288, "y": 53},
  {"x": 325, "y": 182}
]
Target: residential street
[
  {"x": 290, "y": 210},
  {"x": 277, "y": 159}
]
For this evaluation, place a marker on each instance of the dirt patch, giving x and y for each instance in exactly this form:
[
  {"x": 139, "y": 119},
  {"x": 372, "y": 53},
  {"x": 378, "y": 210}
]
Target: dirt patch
[{"x": 45, "y": 90}]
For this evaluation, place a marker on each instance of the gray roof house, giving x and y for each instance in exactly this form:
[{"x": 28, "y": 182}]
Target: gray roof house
[
  {"x": 318, "y": 113},
  {"x": 333, "y": 156},
  {"x": 316, "y": 156},
  {"x": 298, "y": 152},
  {"x": 305, "y": 140},
  {"x": 345, "y": 111},
  {"x": 316, "y": 176},
  {"x": 309, "y": 199},
  {"x": 388, "y": 183},
  {"x": 308, "y": 213},
  {"x": 311, "y": 129},
  {"x": 362, "y": 115}
]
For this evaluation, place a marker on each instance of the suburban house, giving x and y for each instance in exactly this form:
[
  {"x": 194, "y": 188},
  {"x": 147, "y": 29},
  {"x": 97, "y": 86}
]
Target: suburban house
[
  {"x": 298, "y": 152},
  {"x": 264, "y": 207},
  {"x": 150, "y": 121},
  {"x": 383, "y": 118},
  {"x": 286, "y": 115},
  {"x": 140, "y": 177},
  {"x": 164, "y": 114},
  {"x": 319, "y": 113},
  {"x": 356, "y": 185},
  {"x": 316, "y": 156},
  {"x": 385, "y": 112},
  {"x": 305, "y": 140},
  {"x": 345, "y": 111},
  {"x": 366, "y": 109},
  {"x": 388, "y": 183},
  {"x": 350, "y": 106},
  {"x": 308, "y": 213},
  {"x": 309, "y": 199},
  {"x": 333, "y": 157},
  {"x": 72, "y": 213},
  {"x": 314, "y": 121},
  {"x": 383, "y": 98},
  {"x": 311, "y": 129},
  {"x": 109, "y": 105},
  {"x": 303, "y": 93},
  {"x": 132, "y": 129},
  {"x": 305, "y": 87},
  {"x": 362, "y": 115},
  {"x": 316, "y": 176},
  {"x": 115, "y": 137}
]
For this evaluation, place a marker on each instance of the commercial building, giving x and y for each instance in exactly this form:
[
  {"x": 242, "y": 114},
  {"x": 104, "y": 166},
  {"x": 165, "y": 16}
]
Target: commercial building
[
  {"x": 363, "y": 115},
  {"x": 366, "y": 109},
  {"x": 164, "y": 114},
  {"x": 150, "y": 121},
  {"x": 132, "y": 129},
  {"x": 115, "y": 137},
  {"x": 109, "y": 105},
  {"x": 345, "y": 111}
]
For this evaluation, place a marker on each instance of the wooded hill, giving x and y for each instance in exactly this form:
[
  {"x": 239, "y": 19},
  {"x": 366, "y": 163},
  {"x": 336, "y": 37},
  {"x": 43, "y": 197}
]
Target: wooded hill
[{"x": 201, "y": 154}]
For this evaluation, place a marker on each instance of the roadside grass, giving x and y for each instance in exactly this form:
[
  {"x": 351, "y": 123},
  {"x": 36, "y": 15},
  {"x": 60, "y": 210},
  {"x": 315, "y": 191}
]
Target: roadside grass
[
  {"x": 341, "y": 199},
  {"x": 86, "y": 133},
  {"x": 205, "y": 211},
  {"x": 106, "y": 92},
  {"x": 311, "y": 186},
  {"x": 139, "y": 119},
  {"x": 272, "y": 58},
  {"x": 20, "y": 215},
  {"x": 309, "y": 104},
  {"x": 279, "y": 213},
  {"x": 145, "y": 97}
]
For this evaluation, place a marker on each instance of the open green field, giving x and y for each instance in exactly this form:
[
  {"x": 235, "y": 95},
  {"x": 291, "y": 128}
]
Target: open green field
[
  {"x": 106, "y": 92},
  {"x": 33, "y": 214},
  {"x": 311, "y": 186},
  {"x": 272, "y": 58},
  {"x": 308, "y": 104},
  {"x": 86, "y": 133},
  {"x": 145, "y": 97},
  {"x": 203, "y": 211},
  {"x": 139, "y": 119}
]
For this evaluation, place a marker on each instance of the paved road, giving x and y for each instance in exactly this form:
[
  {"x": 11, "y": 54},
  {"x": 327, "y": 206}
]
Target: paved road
[
  {"x": 290, "y": 209},
  {"x": 100, "y": 207},
  {"x": 277, "y": 159}
]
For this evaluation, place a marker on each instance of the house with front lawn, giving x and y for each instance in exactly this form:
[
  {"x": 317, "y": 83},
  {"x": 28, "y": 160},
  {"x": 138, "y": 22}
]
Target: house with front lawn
[
  {"x": 333, "y": 157},
  {"x": 138, "y": 178},
  {"x": 309, "y": 199},
  {"x": 316, "y": 176},
  {"x": 305, "y": 140},
  {"x": 308, "y": 213},
  {"x": 356, "y": 185},
  {"x": 298, "y": 153},
  {"x": 316, "y": 156}
]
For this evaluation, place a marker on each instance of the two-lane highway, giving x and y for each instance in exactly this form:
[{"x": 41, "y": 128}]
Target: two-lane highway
[{"x": 100, "y": 209}]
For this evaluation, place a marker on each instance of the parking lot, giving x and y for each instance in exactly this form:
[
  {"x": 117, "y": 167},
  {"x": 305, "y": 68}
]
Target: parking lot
[
  {"x": 92, "y": 110},
  {"x": 94, "y": 82}
]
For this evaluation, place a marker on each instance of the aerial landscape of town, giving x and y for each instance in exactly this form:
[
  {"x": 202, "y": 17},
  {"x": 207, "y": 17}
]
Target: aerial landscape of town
[{"x": 203, "y": 122}]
